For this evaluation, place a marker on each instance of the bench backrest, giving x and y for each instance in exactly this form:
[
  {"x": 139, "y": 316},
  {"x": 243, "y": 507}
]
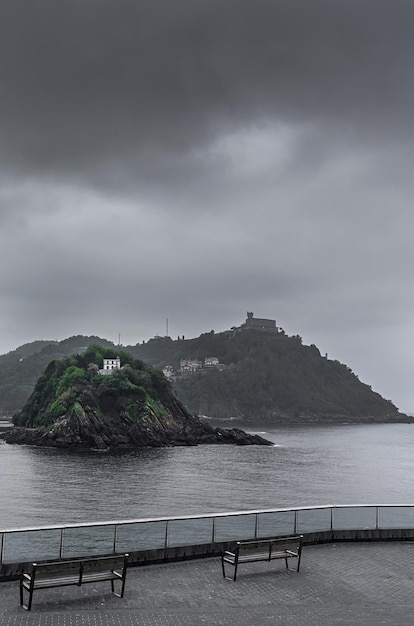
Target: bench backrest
[
  {"x": 106, "y": 564},
  {"x": 80, "y": 566},
  {"x": 55, "y": 568},
  {"x": 270, "y": 545}
]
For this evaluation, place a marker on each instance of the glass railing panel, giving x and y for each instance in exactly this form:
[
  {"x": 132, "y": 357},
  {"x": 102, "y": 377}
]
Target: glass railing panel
[
  {"x": 88, "y": 541},
  {"x": 31, "y": 545},
  {"x": 313, "y": 520},
  {"x": 396, "y": 517},
  {"x": 355, "y": 518},
  {"x": 190, "y": 532},
  {"x": 276, "y": 524},
  {"x": 141, "y": 536},
  {"x": 45, "y": 544},
  {"x": 235, "y": 527}
]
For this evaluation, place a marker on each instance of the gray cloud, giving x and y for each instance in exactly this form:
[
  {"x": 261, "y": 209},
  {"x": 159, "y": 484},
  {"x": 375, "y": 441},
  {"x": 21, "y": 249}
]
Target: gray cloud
[
  {"x": 194, "y": 160},
  {"x": 134, "y": 84}
]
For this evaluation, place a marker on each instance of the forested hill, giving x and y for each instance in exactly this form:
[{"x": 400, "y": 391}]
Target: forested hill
[
  {"x": 267, "y": 377},
  {"x": 254, "y": 376}
]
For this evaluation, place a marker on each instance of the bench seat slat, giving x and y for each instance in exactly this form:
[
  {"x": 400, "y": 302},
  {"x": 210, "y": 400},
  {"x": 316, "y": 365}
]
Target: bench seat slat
[
  {"x": 97, "y": 576},
  {"x": 44, "y": 583},
  {"x": 245, "y": 558}
]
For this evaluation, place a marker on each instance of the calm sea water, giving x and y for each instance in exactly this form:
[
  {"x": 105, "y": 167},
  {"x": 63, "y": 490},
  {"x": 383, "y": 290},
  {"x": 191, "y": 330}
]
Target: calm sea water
[{"x": 308, "y": 465}]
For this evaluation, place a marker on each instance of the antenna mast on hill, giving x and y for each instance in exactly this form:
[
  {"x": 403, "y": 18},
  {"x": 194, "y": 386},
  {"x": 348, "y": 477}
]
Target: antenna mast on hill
[{"x": 166, "y": 327}]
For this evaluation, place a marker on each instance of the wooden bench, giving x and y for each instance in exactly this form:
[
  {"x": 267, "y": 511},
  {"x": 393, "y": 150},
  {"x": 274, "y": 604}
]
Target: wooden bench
[
  {"x": 263, "y": 550},
  {"x": 74, "y": 572}
]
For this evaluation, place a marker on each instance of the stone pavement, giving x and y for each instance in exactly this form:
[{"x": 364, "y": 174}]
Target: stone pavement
[{"x": 348, "y": 584}]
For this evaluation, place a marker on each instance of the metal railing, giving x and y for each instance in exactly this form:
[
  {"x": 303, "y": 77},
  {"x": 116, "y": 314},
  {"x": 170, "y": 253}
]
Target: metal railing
[{"x": 89, "y": 539}]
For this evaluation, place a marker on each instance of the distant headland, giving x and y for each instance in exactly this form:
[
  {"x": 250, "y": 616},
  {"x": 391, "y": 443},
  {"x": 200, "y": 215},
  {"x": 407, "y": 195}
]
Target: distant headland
[{"x": 254, "y": 372}]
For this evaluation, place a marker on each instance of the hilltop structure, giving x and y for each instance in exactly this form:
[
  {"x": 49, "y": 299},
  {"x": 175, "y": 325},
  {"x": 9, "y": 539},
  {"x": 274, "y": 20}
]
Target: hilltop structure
[{"x": 256, "y": 323}]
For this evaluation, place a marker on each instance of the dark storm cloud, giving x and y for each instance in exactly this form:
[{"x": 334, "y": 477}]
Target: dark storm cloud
[
  {"x": 127, "y": 87},
  {"x": 195, "y": 159}
]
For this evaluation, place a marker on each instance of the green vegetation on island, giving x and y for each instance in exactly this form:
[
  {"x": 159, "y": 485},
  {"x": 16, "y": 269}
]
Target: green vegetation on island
[
  {"x": 21, "y": 368},
  {"x": 78, "y": 403}
]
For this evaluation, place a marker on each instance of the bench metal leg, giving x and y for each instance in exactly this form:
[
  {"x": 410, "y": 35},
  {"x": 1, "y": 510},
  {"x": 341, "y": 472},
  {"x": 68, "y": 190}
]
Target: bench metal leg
[
  {"x": 21, "y": 593},
  {"x": 119, "y": 594},
  {"x": 224, "y": 570},
  {"x": 297, "y": 567},
  {"x": 27, "y": 606}
]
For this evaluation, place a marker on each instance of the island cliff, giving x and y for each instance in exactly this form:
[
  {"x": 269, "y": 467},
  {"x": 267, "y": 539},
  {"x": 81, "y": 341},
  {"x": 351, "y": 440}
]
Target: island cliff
[{"x": 77, "y": 404}]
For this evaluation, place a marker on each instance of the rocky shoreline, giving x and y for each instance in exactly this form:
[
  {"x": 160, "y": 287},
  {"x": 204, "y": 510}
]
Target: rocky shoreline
[{"x": 89, "y": 432}]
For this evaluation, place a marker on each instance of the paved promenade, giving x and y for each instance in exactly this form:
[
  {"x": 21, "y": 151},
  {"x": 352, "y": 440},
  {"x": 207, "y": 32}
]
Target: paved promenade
[{"x": 367, "y": 584}]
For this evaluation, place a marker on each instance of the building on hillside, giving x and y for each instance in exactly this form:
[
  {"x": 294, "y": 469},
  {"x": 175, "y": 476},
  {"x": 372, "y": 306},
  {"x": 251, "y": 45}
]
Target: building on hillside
[
  {"x": 109, "y": 365},
  {"x": 190, "y": 367},
  {"x": 257, "y": 323},
  {"x": 211, "y": 361},
  {"x": 168, "y": 372}
]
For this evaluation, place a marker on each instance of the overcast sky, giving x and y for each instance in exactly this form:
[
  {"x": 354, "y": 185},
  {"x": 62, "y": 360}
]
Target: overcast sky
[{"x": 198, "y": 159}]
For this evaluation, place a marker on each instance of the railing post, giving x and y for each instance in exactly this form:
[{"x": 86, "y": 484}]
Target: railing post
[
  {"x": 377, "y": 517},
  {"x": 62, "y": 532},
  {"x": 295, "y": 523},
  {"x": 332, "y": 518},
  {"x": 213, "y": 533},
  {"x": 166, "y": 540},
  {"x": 115, "y": 538},
  {"x": 256, "y": 526},
  {"x": 1, "y": 548}
]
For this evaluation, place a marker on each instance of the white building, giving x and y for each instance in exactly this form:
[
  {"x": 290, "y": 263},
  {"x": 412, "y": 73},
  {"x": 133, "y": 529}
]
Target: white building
[
  {"x": 110, "y": 364},
  {"x": 168, "y": 372}
]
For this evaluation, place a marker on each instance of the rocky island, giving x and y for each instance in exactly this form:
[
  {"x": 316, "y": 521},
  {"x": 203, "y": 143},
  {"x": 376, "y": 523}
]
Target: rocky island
[{"x": 102, "y": 400}]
